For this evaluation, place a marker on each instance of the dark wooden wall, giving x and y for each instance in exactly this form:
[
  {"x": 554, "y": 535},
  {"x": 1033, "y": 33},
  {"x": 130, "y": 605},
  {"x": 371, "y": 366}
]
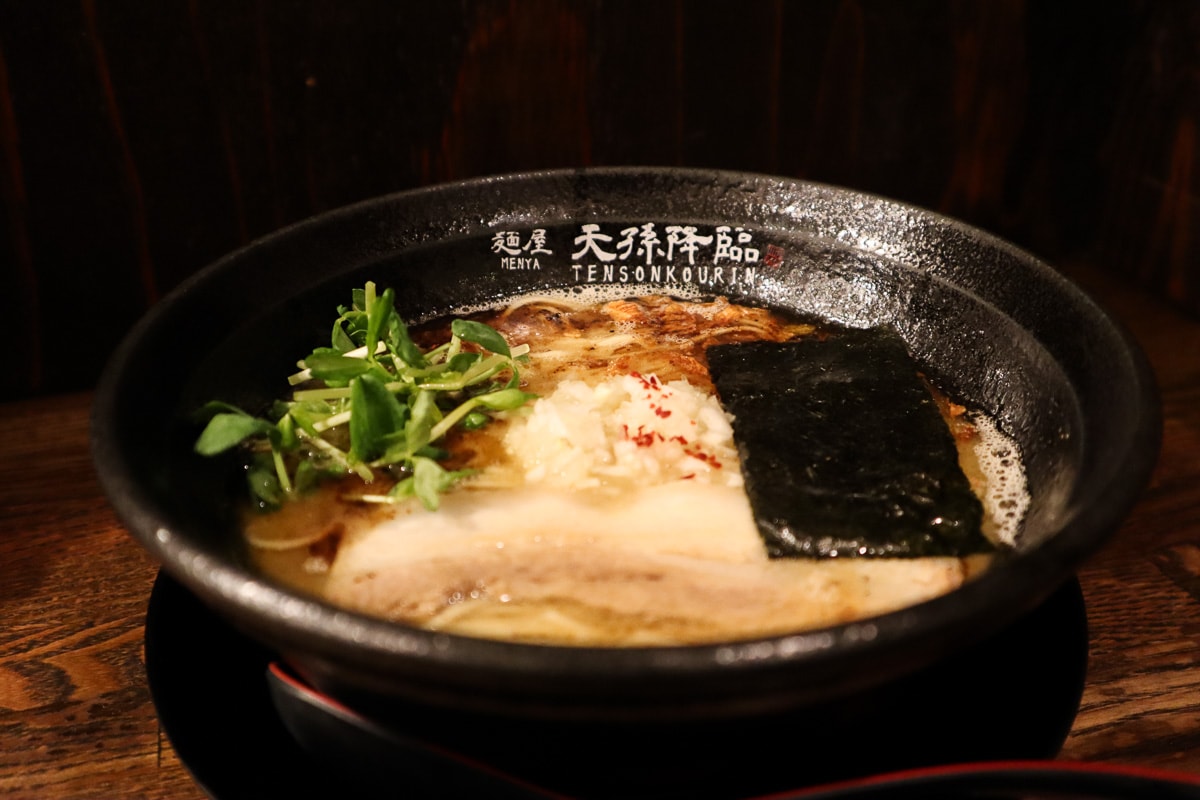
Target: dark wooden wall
[{"x": 140, "y": 140}]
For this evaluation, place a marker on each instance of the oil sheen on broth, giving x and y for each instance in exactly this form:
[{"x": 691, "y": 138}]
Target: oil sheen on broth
[{"x": 611, "y": 511}]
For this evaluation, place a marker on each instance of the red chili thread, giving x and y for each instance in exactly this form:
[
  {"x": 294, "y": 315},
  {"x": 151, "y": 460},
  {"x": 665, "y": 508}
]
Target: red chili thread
[
  {"x": 643, "y": 438},
  {"x": 707, "y": 458},
  {"x": 647, "y": 383}
]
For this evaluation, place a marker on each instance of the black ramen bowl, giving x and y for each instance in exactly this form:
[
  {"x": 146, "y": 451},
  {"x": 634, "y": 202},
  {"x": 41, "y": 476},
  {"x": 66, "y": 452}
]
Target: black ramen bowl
[{"x": 998, "y": 329}]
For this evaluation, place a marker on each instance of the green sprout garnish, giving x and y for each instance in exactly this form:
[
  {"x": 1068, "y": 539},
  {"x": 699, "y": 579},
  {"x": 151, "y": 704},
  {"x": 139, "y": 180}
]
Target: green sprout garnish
[{"x": 372, "y": 402}]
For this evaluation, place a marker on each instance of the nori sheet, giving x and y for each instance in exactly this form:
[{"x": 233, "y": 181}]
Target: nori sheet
[{"x": 843, "y": 450}]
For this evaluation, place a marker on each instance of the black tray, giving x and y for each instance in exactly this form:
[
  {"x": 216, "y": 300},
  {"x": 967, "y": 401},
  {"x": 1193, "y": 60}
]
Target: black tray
[{"x": 245, "y": 728}]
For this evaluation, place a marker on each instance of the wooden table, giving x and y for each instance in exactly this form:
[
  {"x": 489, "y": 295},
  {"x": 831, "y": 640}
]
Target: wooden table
[{"x": 76, "y": 720}]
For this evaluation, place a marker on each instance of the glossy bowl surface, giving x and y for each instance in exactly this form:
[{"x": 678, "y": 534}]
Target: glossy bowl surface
[{"x": 1000, "y": 330}]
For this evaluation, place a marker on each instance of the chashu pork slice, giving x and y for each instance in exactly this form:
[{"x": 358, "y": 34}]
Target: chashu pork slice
[{"x": 590, "y": 569}]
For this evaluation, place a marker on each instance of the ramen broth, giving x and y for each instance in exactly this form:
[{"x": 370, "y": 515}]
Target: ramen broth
[{"x": 610, "y": 511}]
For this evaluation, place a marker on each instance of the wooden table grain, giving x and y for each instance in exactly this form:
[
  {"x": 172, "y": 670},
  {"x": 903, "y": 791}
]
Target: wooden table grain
[{"x": 76, "y": 718}]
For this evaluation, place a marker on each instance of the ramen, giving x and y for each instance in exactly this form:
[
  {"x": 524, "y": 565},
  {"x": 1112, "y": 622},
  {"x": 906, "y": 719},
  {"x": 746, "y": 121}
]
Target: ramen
[{"x": 610, "y": 509}]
